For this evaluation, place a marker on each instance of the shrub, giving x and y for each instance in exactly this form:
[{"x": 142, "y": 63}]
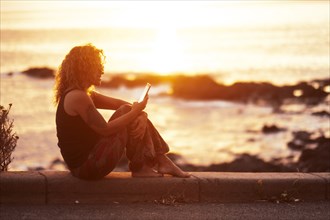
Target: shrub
[{"x": 8, "y": 139}]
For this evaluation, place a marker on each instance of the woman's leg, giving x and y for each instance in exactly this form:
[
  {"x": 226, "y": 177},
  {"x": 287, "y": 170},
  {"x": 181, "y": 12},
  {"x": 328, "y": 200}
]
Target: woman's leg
[
  {"x": 106, "y": 154},
  {"x": 108, "y": 151},
  {"x": 143, "y": 151},
  {"x": 151, "y": 151},
  {"x": 143, "y": 154},
  {"x": 166, "y": 166},
  {"x": 103, "y": 158}
]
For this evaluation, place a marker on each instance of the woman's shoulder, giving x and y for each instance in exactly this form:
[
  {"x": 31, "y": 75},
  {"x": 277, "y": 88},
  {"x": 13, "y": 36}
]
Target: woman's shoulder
[
  {"x": 75, "y": 92},
  {"x": 77, "y": 96},
  {"x": 75, "y": 100}
]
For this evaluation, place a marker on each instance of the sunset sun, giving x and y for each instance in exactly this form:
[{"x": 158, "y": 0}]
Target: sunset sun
[{"x": 166, "y": 55}]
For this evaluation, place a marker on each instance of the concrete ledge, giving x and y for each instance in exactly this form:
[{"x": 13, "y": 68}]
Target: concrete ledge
[
  {"x": 22, "y": 187},
  {"x": 117, "y": 187},
  {"x": 249, "y": 187},
  {"x": 59, "y": 187}
]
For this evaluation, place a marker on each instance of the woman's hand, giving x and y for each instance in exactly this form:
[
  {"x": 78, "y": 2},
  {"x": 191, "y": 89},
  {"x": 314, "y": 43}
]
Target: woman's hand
[
  {"x": 139, "y": 106},
  {"x": 139, "y": 125}
]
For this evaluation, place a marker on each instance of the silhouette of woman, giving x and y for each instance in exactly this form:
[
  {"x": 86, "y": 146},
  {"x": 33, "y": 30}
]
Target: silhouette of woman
[{"x": 91, "y": 146}]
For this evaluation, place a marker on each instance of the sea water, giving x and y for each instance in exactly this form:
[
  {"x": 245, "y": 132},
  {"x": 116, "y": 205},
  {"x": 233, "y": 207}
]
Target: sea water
[
  {"x": 281, "y": 43},
  {"x": 202, "y": 132}
]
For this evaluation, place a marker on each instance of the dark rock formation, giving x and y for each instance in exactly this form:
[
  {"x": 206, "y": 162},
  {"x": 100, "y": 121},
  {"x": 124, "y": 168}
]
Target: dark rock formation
[
  {"x": 137, "y": 80},
  {"x": 268, "y": 129},
  {"x": 248, "y": 163},
  {"x": 321, "y": 114},
  {"x": 312, "y": 159},
  {"x": 316, "y": 160},
  {"x": 43, "y": 72},
  {"x": 203, "y": 87},
  {"x": 198, "y": 88}
]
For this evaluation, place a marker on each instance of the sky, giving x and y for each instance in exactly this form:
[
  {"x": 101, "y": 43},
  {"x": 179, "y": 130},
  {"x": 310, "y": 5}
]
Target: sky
[
  {"x": 153, "y": 14},
  {"x": 167, "y": 36}
]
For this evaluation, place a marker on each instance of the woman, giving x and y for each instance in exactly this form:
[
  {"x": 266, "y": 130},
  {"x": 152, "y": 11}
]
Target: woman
[{"x": 90, "y": 146}]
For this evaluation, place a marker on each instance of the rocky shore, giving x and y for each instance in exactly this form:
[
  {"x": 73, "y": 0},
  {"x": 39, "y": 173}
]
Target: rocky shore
[
  {"x": 203, "y": 87},
  {"x": 313, "y": 148},
  {"x": 314, "y": 157}
]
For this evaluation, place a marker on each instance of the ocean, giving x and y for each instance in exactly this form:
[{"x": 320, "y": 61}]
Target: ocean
[{"x": 282, "y": 43}]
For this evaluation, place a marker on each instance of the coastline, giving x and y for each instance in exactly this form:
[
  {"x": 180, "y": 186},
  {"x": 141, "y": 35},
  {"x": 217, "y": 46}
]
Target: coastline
[
  {"x": 184, "y": 87},
  {"x": 307, "y": 144}
]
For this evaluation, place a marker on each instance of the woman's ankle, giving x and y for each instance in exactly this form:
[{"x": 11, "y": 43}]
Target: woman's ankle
[
  {"x": 146, "y": 171},
  {"x": 167, "y": 166}
]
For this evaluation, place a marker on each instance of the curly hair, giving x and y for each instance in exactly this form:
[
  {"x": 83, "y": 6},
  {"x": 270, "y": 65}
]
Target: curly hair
[{"x": 77, "y": 69}]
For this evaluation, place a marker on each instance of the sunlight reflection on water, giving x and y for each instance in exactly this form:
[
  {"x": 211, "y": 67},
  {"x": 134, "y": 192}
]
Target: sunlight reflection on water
[{"x": 202, "y": 132}]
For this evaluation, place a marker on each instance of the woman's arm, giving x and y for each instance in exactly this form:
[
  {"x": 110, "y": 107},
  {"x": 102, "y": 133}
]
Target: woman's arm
[
  {"x": 79, "y": 103},
  {"x": 106, "y": 102}
]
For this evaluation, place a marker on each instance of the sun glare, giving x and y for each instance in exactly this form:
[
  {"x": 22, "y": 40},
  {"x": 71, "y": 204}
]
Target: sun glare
[
  {"x": 166, "y": 56},
  {"x": 163, "y": 36}
]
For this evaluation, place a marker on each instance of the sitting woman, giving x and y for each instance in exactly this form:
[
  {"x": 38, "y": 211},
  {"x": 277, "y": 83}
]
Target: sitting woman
[{"x": 90, "y": 146}]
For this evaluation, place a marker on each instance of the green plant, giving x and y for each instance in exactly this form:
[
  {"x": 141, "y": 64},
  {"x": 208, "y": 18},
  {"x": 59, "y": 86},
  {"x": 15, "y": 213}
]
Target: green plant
[{"x": 8, "y": 139}]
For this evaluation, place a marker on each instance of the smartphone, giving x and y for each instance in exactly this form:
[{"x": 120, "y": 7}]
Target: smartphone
[{"x": 145, "y": 92}]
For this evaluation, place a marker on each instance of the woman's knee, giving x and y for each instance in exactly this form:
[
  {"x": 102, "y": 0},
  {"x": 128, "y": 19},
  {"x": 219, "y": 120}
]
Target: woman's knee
[{"x": 124, "y": 109}]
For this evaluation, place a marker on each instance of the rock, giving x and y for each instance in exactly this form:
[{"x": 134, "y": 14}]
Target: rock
[
  {"x": 304, "y": 136},
  {"x": 43, "y": 72},
  {"x": 198, "y": 88},
  {"x": 312, "y": 159},
  {"x": 268, "y": 129},
  {"x": 321, "y": 140},
  {"x": 174, "y": 157},
  {"x": 57, "y": 161},
  {"x": 251, "y": 91},
  {"x": 38, "y": 168},
  {"x": 301, "y": 140},
  {"x": 308, "y": 91},
  {"x": 248, "y": 163},
  {"x": 316, "y": 160},
  {"x": 315, "y": 155},
  {"x": 321, "y": 114},
  {"x": 135, "y": 80},
  {"x": 244, "y": 163},
  {"x": 296, "y": 145},
  {"x": 58, "y": 164},
  {"x": 204, "y": 87}
]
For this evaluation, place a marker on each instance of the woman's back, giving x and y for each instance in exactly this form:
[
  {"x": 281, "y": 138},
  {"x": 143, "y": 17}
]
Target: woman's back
[{"x": 76, "y": 138}]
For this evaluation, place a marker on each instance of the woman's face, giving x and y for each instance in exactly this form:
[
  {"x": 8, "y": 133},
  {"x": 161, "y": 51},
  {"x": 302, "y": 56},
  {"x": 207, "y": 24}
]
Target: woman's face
[{"x": 97, "y": 74}]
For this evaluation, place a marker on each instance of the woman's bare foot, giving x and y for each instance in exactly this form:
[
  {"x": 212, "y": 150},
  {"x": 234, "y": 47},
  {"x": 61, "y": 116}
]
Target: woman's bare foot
[
  {"x": 146, "y": 171},
  {"x": 166, "y": 166}
]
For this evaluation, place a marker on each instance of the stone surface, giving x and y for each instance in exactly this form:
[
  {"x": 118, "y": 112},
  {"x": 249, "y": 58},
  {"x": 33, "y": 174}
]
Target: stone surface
[
  {"x": 250, "y": 187},
  {"x": 22, "y": 188},
  {"x": 326, "y": 178},
  {"x": 116, "y": 187},
  {"x": 60, "y": 187}
]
